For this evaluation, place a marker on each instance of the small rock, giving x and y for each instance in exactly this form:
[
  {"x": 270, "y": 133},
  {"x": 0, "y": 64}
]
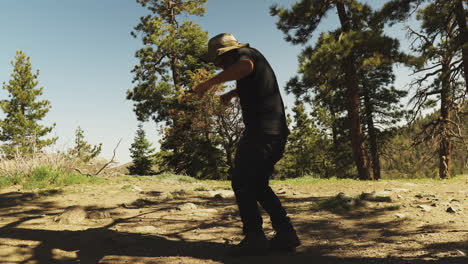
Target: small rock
[
  {"x": 140, "y": 203},
  {"x": 218, "y": 196},
  {"x": 343, "y": 196},
  {"x": 399, "y": 196},
  {"x": 418, "y": 196},
  {"x": 400, "y": 215},
  {"x": 455, "y": 200},
  {"x": 136, "y": 188},
  {"x": 72, "y": 215},
  {"x": 349, "y": 204},
  {"x": 223, "y": 193},
  {"x": 368, "y": 196},
  {"x": 424, "y": 208},
  {"x": 281, "y": 191},
  {"x": 434, "y": 205},
  {"x": 451, "y": 210},
  {"x": 396, "y": 190},
  {"x": 227, "y": 241},
  {"x": 99, "y": 215},
  {"x": 461, "y": 253},
  {"x": 187, "y": 206}
]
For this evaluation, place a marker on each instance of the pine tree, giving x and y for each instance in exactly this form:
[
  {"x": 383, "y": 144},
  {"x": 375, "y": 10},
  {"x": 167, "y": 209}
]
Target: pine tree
[
  {"x": 172, "y": 48},
  {"x": 446, "y": 12},
  {"x": 82, "y": 149},
  {"x": 440, "y": 80},
  {"x": 307, "y": 149},
  {"x": 300, "y": 22},
  {"x": 20, "y": 129},
  {"x": 141, "y": 153}
]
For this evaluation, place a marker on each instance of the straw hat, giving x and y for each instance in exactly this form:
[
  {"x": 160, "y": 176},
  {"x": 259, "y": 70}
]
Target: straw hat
[{"x": 220, "y": 44}]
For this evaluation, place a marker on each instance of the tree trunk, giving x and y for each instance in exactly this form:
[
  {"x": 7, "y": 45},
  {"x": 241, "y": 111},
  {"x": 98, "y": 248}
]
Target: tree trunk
[
  {"x": 352, "y": 93},
  {"x": 172, "y": 58},
  {"x": 175, "y": 73},
  {"x": 445, "y": 141},
  {"x": 463, "y": 37},
  {"x": 372, "y": 135},
  {"x": 333, "y": 126}
]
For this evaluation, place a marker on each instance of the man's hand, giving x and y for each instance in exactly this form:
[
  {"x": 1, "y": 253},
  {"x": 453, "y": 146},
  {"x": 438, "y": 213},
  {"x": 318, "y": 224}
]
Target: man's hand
[
  {"x": 202, "y": 88},
  {"x": 226, "y": 98}
]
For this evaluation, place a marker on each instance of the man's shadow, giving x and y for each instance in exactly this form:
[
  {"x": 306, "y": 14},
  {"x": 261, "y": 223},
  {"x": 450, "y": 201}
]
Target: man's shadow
[{"x": 93, "y": 244}]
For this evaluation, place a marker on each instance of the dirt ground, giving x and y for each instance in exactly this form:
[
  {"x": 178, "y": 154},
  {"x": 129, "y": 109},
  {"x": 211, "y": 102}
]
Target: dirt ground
[{"x": 172, "y": 221}]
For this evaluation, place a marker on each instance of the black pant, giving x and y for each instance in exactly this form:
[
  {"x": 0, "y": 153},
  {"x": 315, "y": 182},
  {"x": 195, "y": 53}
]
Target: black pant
[{"x": 254, "y": 162}]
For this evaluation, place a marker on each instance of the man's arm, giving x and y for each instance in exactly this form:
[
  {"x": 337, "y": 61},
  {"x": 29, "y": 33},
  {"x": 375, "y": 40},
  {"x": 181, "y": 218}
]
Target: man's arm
[{"x": 237, "y": 71}]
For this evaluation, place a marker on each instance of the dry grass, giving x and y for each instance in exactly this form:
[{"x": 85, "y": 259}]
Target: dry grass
[{"x": 23, "y": 168}]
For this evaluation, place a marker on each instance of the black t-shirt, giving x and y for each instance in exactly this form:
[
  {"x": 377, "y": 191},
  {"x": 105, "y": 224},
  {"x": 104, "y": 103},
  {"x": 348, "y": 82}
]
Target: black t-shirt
[{"x": 260, "y": 98}]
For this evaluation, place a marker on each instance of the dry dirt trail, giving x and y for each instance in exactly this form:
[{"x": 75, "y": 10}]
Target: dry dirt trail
[{"x": 169, "y": 221}]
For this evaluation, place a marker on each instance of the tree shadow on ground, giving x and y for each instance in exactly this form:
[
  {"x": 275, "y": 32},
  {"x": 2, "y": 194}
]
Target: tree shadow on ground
[
  {"x": 106, "y": 245},
  {"x": 92, "y": 245}
]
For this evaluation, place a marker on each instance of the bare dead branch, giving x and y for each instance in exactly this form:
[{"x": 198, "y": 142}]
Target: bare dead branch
[
  {"x": 111, "y": 161},
  {"x": 80, "y": 172}
]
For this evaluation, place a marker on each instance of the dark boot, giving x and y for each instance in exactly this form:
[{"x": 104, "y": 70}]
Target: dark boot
[
  {"x": 285, "y": 241},
  {"x": 254, "y": 244}
]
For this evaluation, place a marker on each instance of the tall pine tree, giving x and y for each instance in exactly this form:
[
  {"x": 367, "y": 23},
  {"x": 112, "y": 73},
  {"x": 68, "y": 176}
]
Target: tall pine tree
[
  {"x": 20, "y": 129},
  {"x": 172, "y": 48},
  {"x": 440, "y": 79},
  {"x": 299, "y": 23}
]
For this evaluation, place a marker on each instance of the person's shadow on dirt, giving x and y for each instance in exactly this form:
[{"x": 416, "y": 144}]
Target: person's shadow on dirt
[{"x": 92, "y": 245}]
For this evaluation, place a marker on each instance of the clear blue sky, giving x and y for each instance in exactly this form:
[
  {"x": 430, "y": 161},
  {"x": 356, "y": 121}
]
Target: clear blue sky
[{"x": 85, "y": 53}]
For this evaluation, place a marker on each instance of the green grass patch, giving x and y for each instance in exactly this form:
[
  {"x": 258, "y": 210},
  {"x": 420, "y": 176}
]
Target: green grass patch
[
  {"x": 175, "y": 177},
  {"x": 392, "y": 207},
  {"x": 6, "y": 181},
  {"x": 158, "y": 177},
  {"x": 200, "y": 189},
  {"x": 47, "y": 176},
  {"x": 332, "y": 203},
  {"x": 311, "y": 180},
  {"x": 126, "y": 187}
]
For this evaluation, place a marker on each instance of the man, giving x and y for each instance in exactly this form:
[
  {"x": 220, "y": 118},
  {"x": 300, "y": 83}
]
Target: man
[{"x": 261, "y": 145}]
